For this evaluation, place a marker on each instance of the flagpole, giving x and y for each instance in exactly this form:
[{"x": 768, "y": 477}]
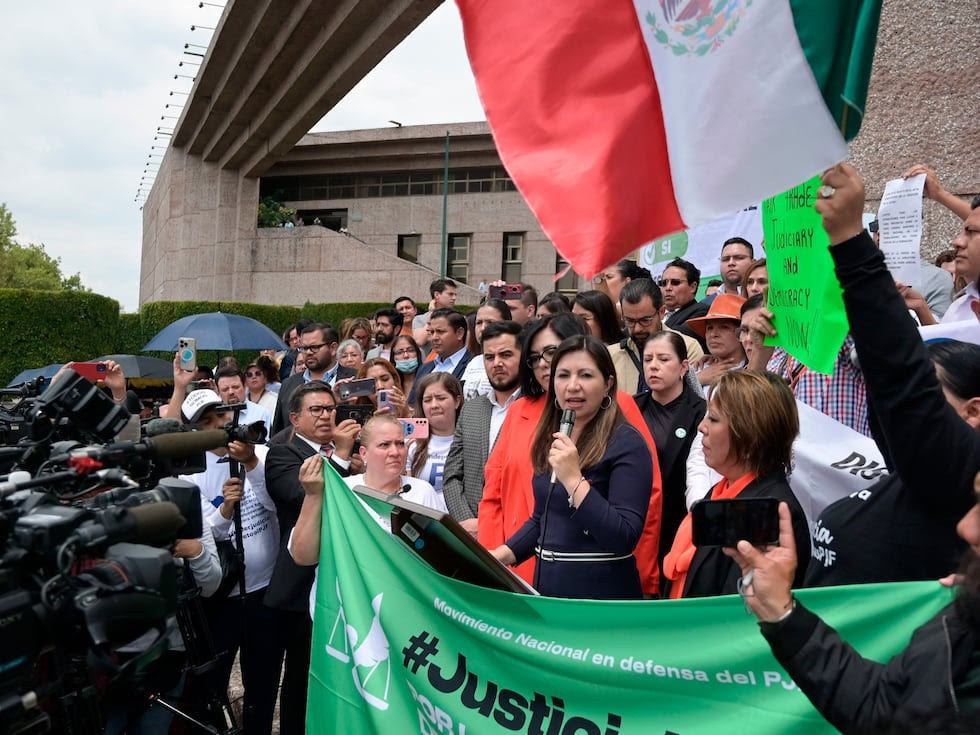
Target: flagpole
[{"x": 445, "y": 206}]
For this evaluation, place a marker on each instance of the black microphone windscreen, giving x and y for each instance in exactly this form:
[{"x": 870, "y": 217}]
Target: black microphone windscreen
[
  {"x": 156, "y": 521},
  {"x": 156, "y": 427},
  {"x": 184, "y": 443}
]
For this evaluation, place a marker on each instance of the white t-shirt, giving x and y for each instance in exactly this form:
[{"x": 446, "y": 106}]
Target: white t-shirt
[
  {"x": 419, "y": 492},
  {"x": 475, "y": 381},
  {"x": 435, "y": 464},
  {"x": 260, "y": 525},
  {"x": 269, "y": 401}
]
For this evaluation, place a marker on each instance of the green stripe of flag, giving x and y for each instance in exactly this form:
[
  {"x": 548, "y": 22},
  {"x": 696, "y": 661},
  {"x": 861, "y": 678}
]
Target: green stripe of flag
[{"x": 838, "y": 38}]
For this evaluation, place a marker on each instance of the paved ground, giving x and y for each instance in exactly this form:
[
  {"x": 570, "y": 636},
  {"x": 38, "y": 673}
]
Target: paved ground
[{"x": 235, "y": 691}]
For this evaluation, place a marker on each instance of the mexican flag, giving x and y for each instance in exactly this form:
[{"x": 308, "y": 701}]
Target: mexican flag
[{"x": 621, "y": 121}]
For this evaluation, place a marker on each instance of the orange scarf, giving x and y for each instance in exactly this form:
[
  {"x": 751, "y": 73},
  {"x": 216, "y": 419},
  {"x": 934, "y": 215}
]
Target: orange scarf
[{"x": 678, "y": 561}]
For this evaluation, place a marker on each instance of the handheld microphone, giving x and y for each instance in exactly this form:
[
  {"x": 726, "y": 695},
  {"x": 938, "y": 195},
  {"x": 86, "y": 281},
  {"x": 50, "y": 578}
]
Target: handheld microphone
[{"x": 565, "y": 427}]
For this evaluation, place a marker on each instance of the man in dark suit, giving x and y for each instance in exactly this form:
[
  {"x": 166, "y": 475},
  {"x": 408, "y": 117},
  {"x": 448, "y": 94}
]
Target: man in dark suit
[
  {"x": 318, "y": 342},
  {"x": 479, "y": 423},
  {"x": 311, "y": 413},
  {"x": 679, "y": 283},
  {"x": 447, "y": 337}
]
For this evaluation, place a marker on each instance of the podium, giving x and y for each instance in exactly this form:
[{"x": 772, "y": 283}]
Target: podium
[{"x": 439, "y": 541}]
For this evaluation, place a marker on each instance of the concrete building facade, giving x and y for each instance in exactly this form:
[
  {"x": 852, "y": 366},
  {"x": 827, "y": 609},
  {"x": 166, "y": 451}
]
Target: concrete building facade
[{"x": 268, "y": 78}]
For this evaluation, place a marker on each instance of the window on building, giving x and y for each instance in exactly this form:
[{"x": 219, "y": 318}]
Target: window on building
[
  {"x": 567, "y": 284},
  {"x": 458, "y": 258},
  {"x": 385, "y": 184},
  {"x": 408, "y": 247},
  {"x": 513, "y": 257}
]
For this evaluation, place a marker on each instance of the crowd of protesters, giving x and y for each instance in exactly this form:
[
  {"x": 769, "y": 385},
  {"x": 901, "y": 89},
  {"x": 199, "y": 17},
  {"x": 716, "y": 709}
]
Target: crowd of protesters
[{"x": 676, "y": 400}]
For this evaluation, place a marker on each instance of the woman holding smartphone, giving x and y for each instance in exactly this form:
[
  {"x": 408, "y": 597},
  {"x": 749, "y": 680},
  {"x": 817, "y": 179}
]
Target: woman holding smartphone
[
  {"x": 591, "y": 488},
  {"x": 747, "y": 437},
  {"x": 387, "y": 396},
  {"x": 407, "y": 356},
  {"x": 438, "y": 398}
]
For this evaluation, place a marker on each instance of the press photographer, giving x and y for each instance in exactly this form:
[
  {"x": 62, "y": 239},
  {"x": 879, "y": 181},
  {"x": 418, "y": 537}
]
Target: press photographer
[{"x": 225, "y": 499}]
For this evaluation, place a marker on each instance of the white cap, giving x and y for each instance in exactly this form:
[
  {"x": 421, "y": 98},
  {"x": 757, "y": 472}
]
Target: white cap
[{"x": 197, "y": 402}]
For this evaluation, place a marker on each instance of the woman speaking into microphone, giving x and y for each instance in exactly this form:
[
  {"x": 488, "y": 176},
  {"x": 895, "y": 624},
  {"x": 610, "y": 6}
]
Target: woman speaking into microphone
[{"x": 591, "y": 484}]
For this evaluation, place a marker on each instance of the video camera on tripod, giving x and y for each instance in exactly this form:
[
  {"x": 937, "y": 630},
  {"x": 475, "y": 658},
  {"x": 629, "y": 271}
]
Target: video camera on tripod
[{"x": 82, "y": 575}]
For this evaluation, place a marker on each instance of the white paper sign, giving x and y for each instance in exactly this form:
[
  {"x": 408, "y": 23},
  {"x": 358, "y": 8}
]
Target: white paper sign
[{"x": 900, "y": 228}]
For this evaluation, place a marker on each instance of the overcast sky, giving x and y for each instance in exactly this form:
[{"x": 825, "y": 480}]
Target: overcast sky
[{"x": 85, "y": 84}]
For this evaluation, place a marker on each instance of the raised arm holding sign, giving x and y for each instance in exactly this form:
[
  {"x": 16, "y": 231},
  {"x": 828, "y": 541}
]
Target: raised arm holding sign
[{"x": 804, "y": 295}]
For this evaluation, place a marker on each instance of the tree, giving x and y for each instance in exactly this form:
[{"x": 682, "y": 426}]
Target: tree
[
  {"x": 29, "y": 266},
  {"x": 272, "y": 213}
]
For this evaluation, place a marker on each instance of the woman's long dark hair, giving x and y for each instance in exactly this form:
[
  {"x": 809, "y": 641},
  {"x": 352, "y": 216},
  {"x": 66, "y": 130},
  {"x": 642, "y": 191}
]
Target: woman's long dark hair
[
  {"x": 959, "y": 364},
  {"x": 453, "y": 387},
  {"x": 594, "y": 439},
  {"x": 601, "y": 307}
]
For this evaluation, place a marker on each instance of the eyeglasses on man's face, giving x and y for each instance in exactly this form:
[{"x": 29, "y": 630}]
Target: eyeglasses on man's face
[
  {"x": 312, "y": 348},
  {"x": 643, "y": 321},
  {"x": 672, "y": 282},
  {"x": 319, "y": 410}
]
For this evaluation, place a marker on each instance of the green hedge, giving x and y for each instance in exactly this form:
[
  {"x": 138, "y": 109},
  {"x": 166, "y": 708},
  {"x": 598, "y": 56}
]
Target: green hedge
[{"x": 44, "y": 327}]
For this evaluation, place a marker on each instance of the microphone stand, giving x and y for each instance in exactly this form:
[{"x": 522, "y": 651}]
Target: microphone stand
[
  {"x": 565, "y": 427},
  {"x": 237, "y": 470}
]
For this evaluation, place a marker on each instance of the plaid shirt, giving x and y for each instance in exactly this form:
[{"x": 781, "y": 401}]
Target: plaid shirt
[{"x": 841, "y": 395}]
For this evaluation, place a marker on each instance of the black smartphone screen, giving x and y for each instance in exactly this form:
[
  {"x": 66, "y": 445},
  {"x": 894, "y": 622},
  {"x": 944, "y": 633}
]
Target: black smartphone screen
[
  {"x": 726, "y": 522},
  {"x": 356, "y": 388}
]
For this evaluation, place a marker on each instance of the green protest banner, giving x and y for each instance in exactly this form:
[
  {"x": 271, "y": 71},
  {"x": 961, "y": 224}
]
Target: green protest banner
[
  {"x": 804, "y": 294},
  {"x": 398, "y": 648}
]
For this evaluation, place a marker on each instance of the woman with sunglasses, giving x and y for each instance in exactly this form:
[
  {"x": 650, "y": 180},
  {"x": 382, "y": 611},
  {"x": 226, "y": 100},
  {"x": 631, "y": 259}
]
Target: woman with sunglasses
[
  {"x": 258, "y": 376},
  {"x": 508, "y": 499}
]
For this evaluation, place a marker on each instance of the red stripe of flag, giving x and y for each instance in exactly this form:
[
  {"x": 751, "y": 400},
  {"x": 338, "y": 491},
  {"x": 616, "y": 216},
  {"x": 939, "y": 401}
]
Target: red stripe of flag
[{"x": 573, "y": 105}]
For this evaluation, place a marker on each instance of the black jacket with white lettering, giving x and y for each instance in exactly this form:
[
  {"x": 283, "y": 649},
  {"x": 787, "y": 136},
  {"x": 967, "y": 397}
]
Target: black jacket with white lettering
[
  {"x": 904, "y": 527},
  {"x": 856, "y": 694}
]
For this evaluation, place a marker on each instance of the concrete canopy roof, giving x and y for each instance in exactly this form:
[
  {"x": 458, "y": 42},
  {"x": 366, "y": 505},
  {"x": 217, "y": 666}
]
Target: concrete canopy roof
[{"x": 275, "y": 67}]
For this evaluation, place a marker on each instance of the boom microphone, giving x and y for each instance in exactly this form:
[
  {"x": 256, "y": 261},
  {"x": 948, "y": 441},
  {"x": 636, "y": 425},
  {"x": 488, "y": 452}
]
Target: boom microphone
[
  {"x": 565, "y": 427},
  {"x": 144, "y": 524},
  {"x": 164, "y": 446}
]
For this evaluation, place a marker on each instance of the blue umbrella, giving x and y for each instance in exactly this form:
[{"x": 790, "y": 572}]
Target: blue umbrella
[
  {"x": 48, "y": 372},
  {"x": 217, "y": 331}
]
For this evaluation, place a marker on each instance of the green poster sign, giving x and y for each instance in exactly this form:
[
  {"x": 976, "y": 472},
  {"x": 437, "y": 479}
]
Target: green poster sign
[
  {"x": 400, "y": 649},
  {"x": 664, "y": 249},
  {"x": 804, "y": 294}
]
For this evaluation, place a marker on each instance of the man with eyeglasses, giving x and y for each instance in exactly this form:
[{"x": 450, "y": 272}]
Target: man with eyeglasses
[
  {"x": 736, "y": 257},
  {"x": 679, "y": 283},
  {"x": 318, "y": 344},
  {"x": 311, "y": 414},
  {"x": 642, "y": 306}
]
